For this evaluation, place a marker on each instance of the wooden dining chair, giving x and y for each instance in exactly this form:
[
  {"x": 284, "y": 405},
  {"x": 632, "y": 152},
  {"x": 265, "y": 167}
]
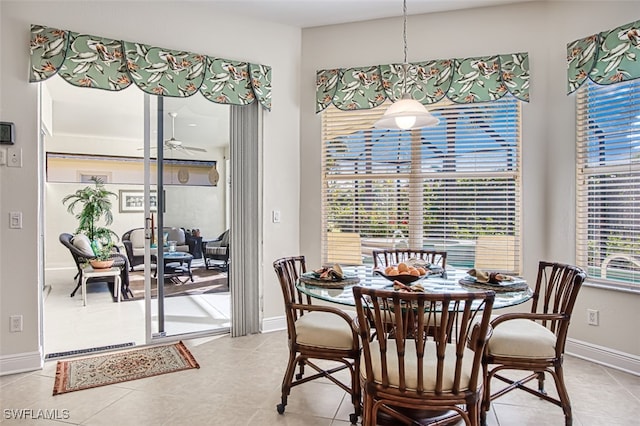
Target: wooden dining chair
[
  {"x": 384, "y": 258},
  {"x": 535, "y": 341},
  {"x": 406, "y": 370},
  {"x": 316, "y": 332}
]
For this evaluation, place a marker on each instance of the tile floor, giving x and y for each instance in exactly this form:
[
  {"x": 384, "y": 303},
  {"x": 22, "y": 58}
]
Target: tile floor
[
  {"x": 238, "y": 383},
  {"x": 68, "y": 325}
]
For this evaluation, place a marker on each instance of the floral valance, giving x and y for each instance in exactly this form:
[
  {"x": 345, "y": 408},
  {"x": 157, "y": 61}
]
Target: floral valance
[
  {"x": 606, "y": 58},
  {"x": 467, "y": 80},
  {"x": 90, "y": 61}
]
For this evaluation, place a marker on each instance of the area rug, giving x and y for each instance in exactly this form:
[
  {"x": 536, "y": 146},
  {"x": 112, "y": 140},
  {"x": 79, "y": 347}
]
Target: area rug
[
  {"x": 205, "y": 281},
  {"x": 101, "y": 370}
]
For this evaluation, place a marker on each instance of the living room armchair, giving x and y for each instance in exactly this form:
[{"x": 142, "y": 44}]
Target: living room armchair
[
  {"x": 216, "y": 252},
  {"x": 133, "y": 241},
  {"x": 82, "y": 253}
]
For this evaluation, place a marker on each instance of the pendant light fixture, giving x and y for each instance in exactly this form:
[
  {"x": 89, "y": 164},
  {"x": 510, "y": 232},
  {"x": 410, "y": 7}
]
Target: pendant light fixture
[{"x": 407, "y": 113}]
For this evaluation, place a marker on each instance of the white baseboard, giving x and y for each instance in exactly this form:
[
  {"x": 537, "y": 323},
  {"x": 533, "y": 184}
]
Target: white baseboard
[
  {"x": 606, "y": 356},
  {"x": 19, "y": 363},
  {"x": 274, "y": 324}
]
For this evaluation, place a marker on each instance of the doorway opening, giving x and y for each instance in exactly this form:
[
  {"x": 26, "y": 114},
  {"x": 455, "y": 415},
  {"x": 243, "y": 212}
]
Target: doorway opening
[{"x": 99, "y": 133}]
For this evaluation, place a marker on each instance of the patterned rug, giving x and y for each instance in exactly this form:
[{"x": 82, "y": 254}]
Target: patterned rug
[{"x": 101, "y": 370}]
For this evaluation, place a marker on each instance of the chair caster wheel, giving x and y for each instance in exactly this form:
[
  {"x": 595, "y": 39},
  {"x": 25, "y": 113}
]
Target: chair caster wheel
[
  {"x": 298, "y": 376},
  {"x": 280, "y": 408},
  {"x": 353, "y": 418}
]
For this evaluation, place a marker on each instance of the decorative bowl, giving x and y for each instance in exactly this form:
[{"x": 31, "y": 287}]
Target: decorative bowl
[{"x": 403, "y": 278}]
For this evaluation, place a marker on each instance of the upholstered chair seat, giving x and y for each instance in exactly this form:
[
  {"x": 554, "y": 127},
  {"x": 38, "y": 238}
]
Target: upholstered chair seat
[
  {"x": 522, "y": 338},
  {"x": 429, "y": 364},
  {"x": 324, "y": 330}
]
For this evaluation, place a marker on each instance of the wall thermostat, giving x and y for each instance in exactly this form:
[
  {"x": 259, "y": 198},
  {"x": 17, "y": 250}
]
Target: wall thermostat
[{"x": 7, "y": 133}]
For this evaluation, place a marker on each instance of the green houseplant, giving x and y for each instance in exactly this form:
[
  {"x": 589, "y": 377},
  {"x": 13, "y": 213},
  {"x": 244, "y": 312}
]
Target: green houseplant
[{"x": 94, "y": 215}]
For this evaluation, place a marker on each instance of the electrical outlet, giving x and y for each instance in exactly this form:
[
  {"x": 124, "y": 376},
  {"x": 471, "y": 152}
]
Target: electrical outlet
[
  {"x": 15, "y": 323},
  {"x": 593, "y": 317}
]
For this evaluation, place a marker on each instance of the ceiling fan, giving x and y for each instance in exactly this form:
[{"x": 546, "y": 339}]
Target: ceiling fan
[{"x": 174, "y": 144}]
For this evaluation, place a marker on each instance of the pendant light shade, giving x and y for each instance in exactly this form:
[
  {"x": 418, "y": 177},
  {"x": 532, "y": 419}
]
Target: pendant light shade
[{"x": 407, "y": 113}]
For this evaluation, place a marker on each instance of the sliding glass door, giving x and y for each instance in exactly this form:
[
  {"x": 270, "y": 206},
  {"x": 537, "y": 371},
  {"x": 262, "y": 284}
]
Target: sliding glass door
[{"x": 186, "y": 217}]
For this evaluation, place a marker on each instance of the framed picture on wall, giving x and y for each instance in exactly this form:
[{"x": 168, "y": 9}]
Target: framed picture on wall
[{"x": 133, "y": 201}]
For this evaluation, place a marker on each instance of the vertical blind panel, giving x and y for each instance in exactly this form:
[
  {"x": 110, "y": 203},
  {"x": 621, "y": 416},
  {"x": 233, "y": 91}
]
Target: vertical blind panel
[
  {"x": 453, "y": 187},
  {"x": 608, "y": 175}
]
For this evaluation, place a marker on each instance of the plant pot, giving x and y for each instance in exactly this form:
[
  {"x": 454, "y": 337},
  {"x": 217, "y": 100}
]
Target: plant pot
[{"x": 101, "y": 264}]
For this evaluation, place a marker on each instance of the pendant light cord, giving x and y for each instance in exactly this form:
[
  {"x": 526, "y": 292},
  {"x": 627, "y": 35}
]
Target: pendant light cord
[
  {"x": 405, "y": 64},
  {"x": 404, "y": 30}
]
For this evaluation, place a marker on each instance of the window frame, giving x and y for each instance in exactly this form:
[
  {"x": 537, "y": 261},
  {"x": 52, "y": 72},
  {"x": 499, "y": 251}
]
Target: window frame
[
  {"x": 415, "y": 175},
  {"x": 597, "y": 123}
]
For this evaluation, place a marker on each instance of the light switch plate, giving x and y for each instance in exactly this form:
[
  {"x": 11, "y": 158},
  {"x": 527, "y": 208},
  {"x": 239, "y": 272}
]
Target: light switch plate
[
  {"x": 3, "y": 156},
  {"x": 15, "y": 220}
]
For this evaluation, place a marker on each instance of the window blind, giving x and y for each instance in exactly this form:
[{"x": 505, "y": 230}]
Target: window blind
[
  {"x": 455, "y": 186},
  {"x": 608, "y": 183}
]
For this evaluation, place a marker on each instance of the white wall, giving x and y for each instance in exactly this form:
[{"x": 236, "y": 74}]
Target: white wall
[
  {"x": 540, "y": 28},
  {"x": 202, "y": 30}
]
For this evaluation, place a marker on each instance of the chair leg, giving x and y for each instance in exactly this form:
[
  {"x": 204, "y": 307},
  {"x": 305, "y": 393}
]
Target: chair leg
[
  {"x": 79, "y": 276},
  {"x": 300, "y": 374},
  {"x": 368, "y": 417},
  {"x": 286, "y": 382},
  {"x": 356, "y": 393},
  {"x": 73, "y": 293},
  {"x": 474, "y": 413},
  {"x": 558, "y": 377},
  {"x": 486, "y": 395},
  {"x": 541, "y": 382}
]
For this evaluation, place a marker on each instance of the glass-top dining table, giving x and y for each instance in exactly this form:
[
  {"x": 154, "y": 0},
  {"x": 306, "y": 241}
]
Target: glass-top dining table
[{"x": 449, "y": 282}]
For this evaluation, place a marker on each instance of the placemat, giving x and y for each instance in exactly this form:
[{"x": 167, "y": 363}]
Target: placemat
[
  {"x": 503, "y": 287},
  {"x": 310, "y": 278}
]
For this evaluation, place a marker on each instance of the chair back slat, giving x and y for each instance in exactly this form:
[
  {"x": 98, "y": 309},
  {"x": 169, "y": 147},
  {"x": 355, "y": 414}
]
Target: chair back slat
[
  {"x": 556, "y": 291},
  {"x": 384, "y": 258},
  {"x": 288, "y": 270}
]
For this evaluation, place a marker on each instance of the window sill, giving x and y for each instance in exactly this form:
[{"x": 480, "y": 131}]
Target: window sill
[{"x": 605, "y": 285}]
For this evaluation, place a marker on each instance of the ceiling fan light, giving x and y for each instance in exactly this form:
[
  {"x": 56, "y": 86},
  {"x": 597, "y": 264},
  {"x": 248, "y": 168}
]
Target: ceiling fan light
[{"x": 406, "y": 114}]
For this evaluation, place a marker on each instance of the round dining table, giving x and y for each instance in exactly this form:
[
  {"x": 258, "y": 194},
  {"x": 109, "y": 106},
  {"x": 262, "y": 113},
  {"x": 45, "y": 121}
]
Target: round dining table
[{"x": 447, "y": 282}]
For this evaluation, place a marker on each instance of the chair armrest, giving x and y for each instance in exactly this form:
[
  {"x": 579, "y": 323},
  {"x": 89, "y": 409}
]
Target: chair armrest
[
  {"x": 475, "y": 341},
  {"x": 528, "y": 315},
  {"x": 211, "y": 243},
  {"x": 336, "y": 311}
]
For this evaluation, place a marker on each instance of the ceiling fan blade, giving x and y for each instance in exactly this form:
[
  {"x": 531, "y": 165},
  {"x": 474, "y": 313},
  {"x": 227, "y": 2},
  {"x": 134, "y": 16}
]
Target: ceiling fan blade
[
  {"x": 194, "y": 148},
  {"x": 183, "y": 149}
]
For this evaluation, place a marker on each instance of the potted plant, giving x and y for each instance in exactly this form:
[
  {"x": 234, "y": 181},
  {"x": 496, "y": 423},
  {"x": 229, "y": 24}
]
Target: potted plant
[
  {"x": 95, "y": 206},
  {"x": 103, "y": 258}
]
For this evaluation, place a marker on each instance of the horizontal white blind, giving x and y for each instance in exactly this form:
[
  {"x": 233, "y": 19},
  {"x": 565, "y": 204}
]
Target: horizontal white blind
[
  {"x": 453, "y": 187},
  {"x": 608, "y": 182}
]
